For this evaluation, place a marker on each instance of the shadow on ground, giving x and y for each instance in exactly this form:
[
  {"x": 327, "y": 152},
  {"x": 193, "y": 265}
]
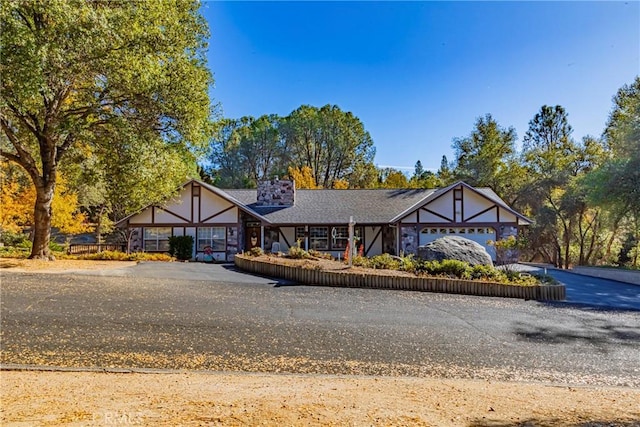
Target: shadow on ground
[
  {"x": 274, "y": 280},
  {"x": 597, "y": 332},
  {"x": 553, "y": 422}
]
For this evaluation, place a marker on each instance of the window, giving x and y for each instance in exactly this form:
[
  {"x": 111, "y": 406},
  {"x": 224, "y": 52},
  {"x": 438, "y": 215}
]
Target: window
[
  {"x": 319, "y": 238},
  {"x": 301, "y": 235},
  {"x": 213, "y": 237},
  {"x": 471, "y": 231},
  {"x": 339, "y": 237},
  {"x": 156, "y": 239}
]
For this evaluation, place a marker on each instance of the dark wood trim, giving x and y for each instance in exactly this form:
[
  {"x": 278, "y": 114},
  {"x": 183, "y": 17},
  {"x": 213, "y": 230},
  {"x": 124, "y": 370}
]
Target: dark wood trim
[
  {"x": 418, "y": 216},
  {"x": 441, "y": 216},
  {"x": 480, "y": 213},
  {"x": 374, "y": 240},
  {"x": 462, "y": 199},
  {"x": 199, "y": 209},
  {"x": 191, "y": 201},
  {"x": 280, "y": 233},
  {"x": 193, "y": 190},
  {"x": 453, "y": 200},
  {"x": 178, "y": 225},
  {"x": 218, "y": 213}
]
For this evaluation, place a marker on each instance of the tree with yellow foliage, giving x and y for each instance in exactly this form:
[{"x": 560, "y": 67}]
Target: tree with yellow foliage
[
  {"x": 18, "y": 196},
  {"x": 16, "y": 201},
  {"x": 303, "y": 177},
  {"x": 340, "y": 184}
]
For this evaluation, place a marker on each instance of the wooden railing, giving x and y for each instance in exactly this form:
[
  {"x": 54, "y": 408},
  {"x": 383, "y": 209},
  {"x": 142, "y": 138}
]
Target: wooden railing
[
  {"x": 429, "y": 284},
  {"x": 93, "y": 248}
]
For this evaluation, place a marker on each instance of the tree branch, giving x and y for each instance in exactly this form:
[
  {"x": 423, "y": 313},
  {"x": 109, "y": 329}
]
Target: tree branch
[
  {"x": 22, "y": 118},
  {"x": 23, "y": 157},
  {"x": 64, "y": 147}
]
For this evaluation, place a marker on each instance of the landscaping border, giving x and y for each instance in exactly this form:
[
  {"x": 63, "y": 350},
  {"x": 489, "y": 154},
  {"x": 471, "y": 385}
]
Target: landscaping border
[{"x": 309, "y": 276}]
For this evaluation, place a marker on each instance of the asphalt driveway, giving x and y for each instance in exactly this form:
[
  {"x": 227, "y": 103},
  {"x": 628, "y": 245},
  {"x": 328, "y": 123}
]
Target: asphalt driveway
[
  {"x": 581, "y": 290},
  {"x": 594, "y": 292},
  {"x": 184, "y": 271},
  {"x": 184, "y": 316}
]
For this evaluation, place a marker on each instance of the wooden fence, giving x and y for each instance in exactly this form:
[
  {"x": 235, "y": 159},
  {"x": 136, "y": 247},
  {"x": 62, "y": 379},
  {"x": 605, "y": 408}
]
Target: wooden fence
[
  {"x": 429, "y": 284},
  {"x": 93, "y": 248}
]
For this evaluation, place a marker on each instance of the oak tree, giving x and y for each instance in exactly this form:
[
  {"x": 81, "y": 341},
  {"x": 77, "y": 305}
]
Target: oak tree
[{"x": 77, "y": 71}]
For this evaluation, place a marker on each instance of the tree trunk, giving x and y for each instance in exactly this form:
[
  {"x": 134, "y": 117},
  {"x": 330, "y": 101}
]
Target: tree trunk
[{"x": 42, "y": 223}]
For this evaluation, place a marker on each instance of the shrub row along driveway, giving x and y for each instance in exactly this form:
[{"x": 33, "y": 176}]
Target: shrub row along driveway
[{"x": 220, "y": 319}]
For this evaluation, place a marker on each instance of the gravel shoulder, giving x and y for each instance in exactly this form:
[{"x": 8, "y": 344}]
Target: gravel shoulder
[{"x": 191, "y": 398}]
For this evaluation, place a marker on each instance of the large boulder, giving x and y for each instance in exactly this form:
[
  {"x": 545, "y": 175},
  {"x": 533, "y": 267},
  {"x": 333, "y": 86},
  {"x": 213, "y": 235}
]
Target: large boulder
[{"x": 455, "y": 247}]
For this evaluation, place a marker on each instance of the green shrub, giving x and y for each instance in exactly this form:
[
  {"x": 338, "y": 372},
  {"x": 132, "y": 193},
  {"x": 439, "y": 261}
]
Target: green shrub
[
  {"x": 122, "y": 256},
  {"x": 448, "y": 267},
  {"x": 318, "y": 254},
  {"x": 14, "y": 252},
  {"x": 486, "y": 272},
  {"x": 360, "y": 261},
  {"x": 296, "y": 252},
  {"x": 181, "y": 247},
  {"x": 56, "y": 247},
  {"x": 409, "y": 263},
  {"x": 384, "y": 262},
  {"x": 14, "y": 239}
]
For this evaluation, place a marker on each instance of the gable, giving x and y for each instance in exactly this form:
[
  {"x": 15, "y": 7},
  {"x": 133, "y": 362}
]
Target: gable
[
  {"x": 192, "y": 205},
  {"x": 214, "y": 209},
  {"x": 462, "y": 204},
  {"x": 478, "y": 208}
]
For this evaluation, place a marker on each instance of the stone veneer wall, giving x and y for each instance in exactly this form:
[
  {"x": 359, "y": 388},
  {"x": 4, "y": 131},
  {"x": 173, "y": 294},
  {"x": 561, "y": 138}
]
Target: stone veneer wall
[{"x": 276, "y": 192}]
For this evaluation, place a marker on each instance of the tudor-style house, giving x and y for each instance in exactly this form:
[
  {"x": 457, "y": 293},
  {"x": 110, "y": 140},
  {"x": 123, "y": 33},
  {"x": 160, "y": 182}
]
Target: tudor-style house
[{"x": 276, "y": 216}]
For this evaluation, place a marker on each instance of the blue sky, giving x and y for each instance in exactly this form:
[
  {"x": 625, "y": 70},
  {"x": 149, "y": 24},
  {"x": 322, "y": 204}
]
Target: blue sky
[{"x": 418, "y": 74}]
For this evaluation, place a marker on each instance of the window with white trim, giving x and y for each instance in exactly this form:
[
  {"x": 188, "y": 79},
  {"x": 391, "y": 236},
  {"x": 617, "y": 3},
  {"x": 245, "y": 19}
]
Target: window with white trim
[
  {"x": 214, "y": 237},
  {"x": 319, "y": 238},
  {"x": 156, "y": 239}
]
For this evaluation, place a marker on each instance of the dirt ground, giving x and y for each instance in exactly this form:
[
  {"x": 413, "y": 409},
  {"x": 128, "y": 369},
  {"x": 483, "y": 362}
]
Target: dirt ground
[
  {"x": 226, "y": 398},
  {"x": 59, "y": 265},
  {"x": 93, "y": 398}
]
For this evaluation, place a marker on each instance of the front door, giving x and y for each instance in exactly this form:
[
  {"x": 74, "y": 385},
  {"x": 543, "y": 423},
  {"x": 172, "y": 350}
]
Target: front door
[{"x": 252, "y": 238}]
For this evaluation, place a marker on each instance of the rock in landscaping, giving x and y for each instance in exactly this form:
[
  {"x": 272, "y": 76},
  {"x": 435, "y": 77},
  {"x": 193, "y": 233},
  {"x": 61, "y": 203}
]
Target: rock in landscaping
[{"x": 455, "y": 247}]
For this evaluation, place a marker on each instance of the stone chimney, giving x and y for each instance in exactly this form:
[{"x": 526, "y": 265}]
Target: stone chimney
[{"x": 276, "y": 192}]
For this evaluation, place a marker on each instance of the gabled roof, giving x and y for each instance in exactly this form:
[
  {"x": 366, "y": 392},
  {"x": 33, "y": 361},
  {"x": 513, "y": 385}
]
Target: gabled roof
[
  {"x": 209, "y": 187},
  {"x": 366, "y": 206},
  {"x": 485, "y": 192},
  {"x": 336, "y": 206},
  {"x": 225, "y": 194}
]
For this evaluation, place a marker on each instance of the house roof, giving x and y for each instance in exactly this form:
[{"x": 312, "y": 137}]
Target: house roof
[
  {"x": 336, "y": 206},
  {"x": 367, "y": 206},
  {"x": 483, "y": 191}
]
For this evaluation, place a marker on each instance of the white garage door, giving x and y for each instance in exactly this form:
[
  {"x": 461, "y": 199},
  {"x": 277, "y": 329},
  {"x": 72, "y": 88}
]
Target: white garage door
[{"x": 477, "y": 234}]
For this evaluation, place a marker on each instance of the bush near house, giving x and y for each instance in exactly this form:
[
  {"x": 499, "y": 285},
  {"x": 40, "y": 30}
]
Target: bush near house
[
  {"x": 121, "y": 256},
  {"x": 181, "y": 247}
]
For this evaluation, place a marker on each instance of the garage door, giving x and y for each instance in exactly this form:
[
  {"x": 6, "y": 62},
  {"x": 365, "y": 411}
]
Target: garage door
[{"x": 477, "y": 234}]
